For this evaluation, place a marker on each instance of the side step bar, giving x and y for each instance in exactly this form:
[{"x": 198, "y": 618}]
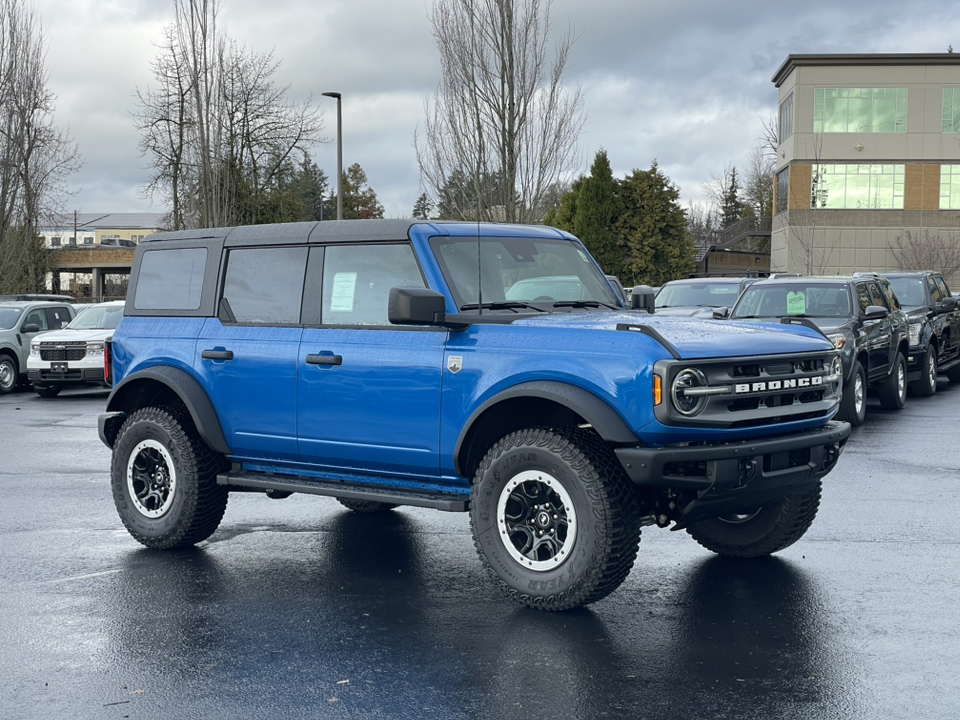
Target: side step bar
[{"x": 451, "y": 502}]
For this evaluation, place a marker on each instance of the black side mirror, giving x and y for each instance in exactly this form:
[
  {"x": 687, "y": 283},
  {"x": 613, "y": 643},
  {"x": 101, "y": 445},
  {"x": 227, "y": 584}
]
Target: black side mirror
[
  {"x": 416, "y": 306},
  {"x": 642, "y": 297},
  {"x": 30, "y": 328},
  {"x": 721, "y": 313},
  {"x": 875, "y": 312}
]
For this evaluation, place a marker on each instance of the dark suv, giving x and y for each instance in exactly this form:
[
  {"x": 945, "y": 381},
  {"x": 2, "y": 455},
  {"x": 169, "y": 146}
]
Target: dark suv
[
  {"x": 489, "y": 369},
  {"x": 934, "y": 320},
  {"x": 860, "y": 315}
]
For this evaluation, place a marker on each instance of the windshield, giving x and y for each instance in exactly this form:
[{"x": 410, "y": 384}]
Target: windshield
[
  {"x": 909, "y": 291},
  {"x": 9, "y": 317},
  {"x": 98, "y": 318},
  {"x": 827, "y": 300},
  {"x": 699, "y": 294},
  {"x": 519, "y": 271}
]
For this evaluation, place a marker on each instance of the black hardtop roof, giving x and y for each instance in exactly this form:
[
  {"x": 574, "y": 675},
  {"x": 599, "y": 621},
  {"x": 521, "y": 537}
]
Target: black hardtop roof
[
  {"x": 343, "y": 231},
  {"x": 910, "y": 273},
  {"x": 717, "y": 279}
]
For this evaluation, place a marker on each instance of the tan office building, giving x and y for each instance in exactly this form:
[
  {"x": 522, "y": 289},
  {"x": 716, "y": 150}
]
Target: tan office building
[{"x": 868, "y": 166}]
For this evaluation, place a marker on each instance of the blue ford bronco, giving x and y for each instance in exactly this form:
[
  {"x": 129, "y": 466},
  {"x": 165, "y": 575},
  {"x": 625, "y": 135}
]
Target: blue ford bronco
[{"x": 481, "y": 368}]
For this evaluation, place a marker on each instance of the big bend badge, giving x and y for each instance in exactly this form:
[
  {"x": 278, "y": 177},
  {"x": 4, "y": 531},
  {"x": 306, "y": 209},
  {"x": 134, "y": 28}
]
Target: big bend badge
[{"x": 455, "y": 363}]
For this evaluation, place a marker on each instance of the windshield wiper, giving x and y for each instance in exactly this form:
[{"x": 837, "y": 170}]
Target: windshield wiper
[
  {"x": 584, "y": 303},
  {"x": 501, "y": 306}
]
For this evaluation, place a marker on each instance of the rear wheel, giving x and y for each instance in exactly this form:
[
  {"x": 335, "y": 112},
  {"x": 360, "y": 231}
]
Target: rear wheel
[
  {"x": 893, "y": 389},
  {"x": 760, "y": 531},
  {"x": 47, "y": 391},
  {"x": 853, "y": 401},
  {"x": 164, "y": 480},
  {"x": 926, "y": 384},
  {"x": 366, "y": 506},
  {"x": 554, "y": 518}
]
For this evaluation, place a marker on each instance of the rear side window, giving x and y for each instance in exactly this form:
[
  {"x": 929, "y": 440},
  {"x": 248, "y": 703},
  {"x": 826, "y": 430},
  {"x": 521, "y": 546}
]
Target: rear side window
[
  {"x": 171, "y": 279},
  {"x": 59, "y": 317},
  {"x": 265, "y": 285}
]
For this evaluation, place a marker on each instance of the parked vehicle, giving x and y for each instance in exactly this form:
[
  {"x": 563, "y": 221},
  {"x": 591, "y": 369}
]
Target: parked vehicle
[
  {"x": 390, "y": 362},
  {"x": 860, "y": 315},
  {"x": 74, "y": 356},
  {"x": 699, "y": 297},
  {"x": 20, "y": 322},
  {"x": 934, "y": 323}
]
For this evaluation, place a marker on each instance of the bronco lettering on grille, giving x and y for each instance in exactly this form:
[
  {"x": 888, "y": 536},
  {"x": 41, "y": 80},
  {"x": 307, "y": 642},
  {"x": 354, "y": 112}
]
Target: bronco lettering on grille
[{"x": 779, "y": 385}]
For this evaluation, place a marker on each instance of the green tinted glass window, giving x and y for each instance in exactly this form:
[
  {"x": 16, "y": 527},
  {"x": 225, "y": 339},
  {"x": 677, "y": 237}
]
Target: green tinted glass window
[
  {"x": 951, "y": 110},
  {"x": 860, "y": 110},
  {"x": 950, "y": 187},
  {"x": 858, "y": 187}
]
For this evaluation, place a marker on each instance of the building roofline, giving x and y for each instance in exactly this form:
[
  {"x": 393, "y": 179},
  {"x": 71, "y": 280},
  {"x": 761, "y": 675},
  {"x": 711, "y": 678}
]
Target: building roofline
[{"x": 861, "y": 59}]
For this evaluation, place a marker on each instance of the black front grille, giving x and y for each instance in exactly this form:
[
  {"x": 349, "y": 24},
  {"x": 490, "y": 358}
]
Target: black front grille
[{"x": 59, "y": 353}]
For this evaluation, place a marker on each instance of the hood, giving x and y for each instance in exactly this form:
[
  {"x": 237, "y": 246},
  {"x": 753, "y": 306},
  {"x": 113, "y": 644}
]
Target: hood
[
  {"x": 700, "y": 312},
  {"x": 917, "y": 314},
  {"x": 75, "y": 336},
  {"x": 695, "y": 338}
]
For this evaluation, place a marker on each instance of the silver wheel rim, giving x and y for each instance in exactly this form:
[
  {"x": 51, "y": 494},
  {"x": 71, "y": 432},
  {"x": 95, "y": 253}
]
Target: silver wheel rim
[
  {"x": 932, "y": 369},
  {"x": 7, "y": 376},
  {"x": 151, "y": 478},
  {"x": 858, "y": 393},
  {"x": 536, "y": 520},
  {"x": 901, "y": 380}
]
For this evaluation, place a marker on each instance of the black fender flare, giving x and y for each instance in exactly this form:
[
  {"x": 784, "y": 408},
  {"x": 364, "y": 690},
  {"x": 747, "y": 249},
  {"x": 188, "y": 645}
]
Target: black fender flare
[
  {"x": 604, "y": 419},
  {"x": 191, "y": 394}
]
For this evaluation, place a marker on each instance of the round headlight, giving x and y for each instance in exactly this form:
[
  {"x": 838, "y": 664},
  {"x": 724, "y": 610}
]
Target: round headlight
[{"x": 688, "y": 379}]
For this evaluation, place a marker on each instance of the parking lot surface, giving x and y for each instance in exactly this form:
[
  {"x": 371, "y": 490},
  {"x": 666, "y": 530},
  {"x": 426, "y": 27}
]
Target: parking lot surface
[{"x": 298, "y": 608}]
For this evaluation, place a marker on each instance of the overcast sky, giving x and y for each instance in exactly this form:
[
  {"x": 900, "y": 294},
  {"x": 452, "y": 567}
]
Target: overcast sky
[{"x": 685, "y": 82}]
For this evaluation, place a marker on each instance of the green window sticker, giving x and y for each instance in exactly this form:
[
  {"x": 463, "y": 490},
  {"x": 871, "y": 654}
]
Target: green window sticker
[{"x": 796, "y": 303}]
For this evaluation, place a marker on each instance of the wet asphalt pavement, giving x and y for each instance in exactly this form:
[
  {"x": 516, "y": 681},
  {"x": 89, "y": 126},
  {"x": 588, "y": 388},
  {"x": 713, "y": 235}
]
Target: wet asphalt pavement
[{"x": 299, "y": 609}]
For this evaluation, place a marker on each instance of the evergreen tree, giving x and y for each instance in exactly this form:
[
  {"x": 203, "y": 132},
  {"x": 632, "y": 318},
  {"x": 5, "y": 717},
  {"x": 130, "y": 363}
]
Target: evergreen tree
[
  {"x": 597, "y": 211},
  {"x": 562, "y": 216},
  {"x": 731, "y": 206},
  {"x": 359, "y": 201},
  {"x": 652, "y": 230},
  {"x": 422, "y": 208},
  {"x": 312, "y": 186}
]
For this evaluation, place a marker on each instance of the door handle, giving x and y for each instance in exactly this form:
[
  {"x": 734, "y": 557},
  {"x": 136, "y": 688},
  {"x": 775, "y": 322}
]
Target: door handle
[
  {"x": 324, "y": 360},
  {"x": 217, "y": 354}
]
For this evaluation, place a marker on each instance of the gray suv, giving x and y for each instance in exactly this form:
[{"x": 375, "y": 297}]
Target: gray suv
[{"x": 20, "y": 322}]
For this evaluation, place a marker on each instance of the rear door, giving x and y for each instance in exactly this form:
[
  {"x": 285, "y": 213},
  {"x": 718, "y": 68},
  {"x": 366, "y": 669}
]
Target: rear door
[
  {"x": 369, "y": 391},
  {"x": 247, "y": 356}
]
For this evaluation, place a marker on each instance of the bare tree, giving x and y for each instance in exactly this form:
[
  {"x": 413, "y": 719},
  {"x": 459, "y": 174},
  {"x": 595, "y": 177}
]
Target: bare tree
[
  {"x": 218, "y": 131},
  {"x": 930, "y": 252},
  {"x": 501, "y": 116},
  {"x": 36, "y": 156}
]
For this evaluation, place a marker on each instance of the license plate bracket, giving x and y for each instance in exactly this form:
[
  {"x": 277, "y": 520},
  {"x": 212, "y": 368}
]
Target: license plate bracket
[{"x": 59, "y": 367}]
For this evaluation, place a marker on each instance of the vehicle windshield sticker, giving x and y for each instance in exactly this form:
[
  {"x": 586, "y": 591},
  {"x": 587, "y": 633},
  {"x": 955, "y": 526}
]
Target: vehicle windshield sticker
[
  {"x": 796, "y": 303},
  {"x": 344, "y": 289}
]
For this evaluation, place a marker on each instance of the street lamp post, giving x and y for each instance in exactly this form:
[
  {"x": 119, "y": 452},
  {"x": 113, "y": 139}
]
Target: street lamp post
[{"x": 339, "y": 155}]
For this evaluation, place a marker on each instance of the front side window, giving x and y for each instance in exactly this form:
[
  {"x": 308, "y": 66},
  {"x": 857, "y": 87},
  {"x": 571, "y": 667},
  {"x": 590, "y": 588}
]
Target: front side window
[
  {"x": 942, "y": 284},
  {"x": 858, "y": 187},
  {"x": 934, "y": 290},
  {"x": 876, "y": 297},
  {"x": 357, "y": 280},
  {"x": 860, "y": 110},
  {"x": 265, "y": 285},
  {"x": 36, "y": 317},
  {"x": 170, "y": 279},
  {"x": 521, "y": 272}
]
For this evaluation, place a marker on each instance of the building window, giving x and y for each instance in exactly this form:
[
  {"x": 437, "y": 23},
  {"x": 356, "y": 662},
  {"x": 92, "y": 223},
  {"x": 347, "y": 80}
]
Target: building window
[
  {"x": 951, "y": 110},
  {"x": 858, "y": 187},
  {"x": 782, "y": 189},
  {"x": 88, "y": 240},
  {"x": 860, "y": 110},
  {"x": 950, "y": 187},
  {"x": 786, "y": 118},
  {"x": 55, "y": 241}
]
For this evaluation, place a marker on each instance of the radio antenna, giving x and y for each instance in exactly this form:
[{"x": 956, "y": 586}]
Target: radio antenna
[{"x": 479, "y": 272}]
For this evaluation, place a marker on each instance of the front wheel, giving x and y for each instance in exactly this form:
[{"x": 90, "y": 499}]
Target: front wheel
[
  {"x": 554, "y": 518},
  {"x": 892, "y": 390},
  {"x": 926, "y": 384},
  {"x": 761, "y": 531},
  {"x": 47, "y": 391},
  {"x": 164, "y": 480},
  {"x": 853, "y": 401}
]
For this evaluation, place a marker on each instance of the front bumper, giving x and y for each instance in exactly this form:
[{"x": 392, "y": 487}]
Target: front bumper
[
  {"x": 731, "y": 476},
  {"x": 70, "y": 376}
]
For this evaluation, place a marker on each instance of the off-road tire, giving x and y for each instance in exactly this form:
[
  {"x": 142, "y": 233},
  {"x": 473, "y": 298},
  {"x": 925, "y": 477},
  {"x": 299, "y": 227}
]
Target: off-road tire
[
  {"x": 164, "y": 441},
  {"x": 892, "y": 390},
  {"x": 926, "y": 384},
  {"x": 766, "y": 530},
  {"x": 366, "y": 506},
  {"x": 9, "y": 374},
  {"x": 47, "y": 391},
  {"x": 559, "y": 466},
  {"x": 853, "y": 401}
]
